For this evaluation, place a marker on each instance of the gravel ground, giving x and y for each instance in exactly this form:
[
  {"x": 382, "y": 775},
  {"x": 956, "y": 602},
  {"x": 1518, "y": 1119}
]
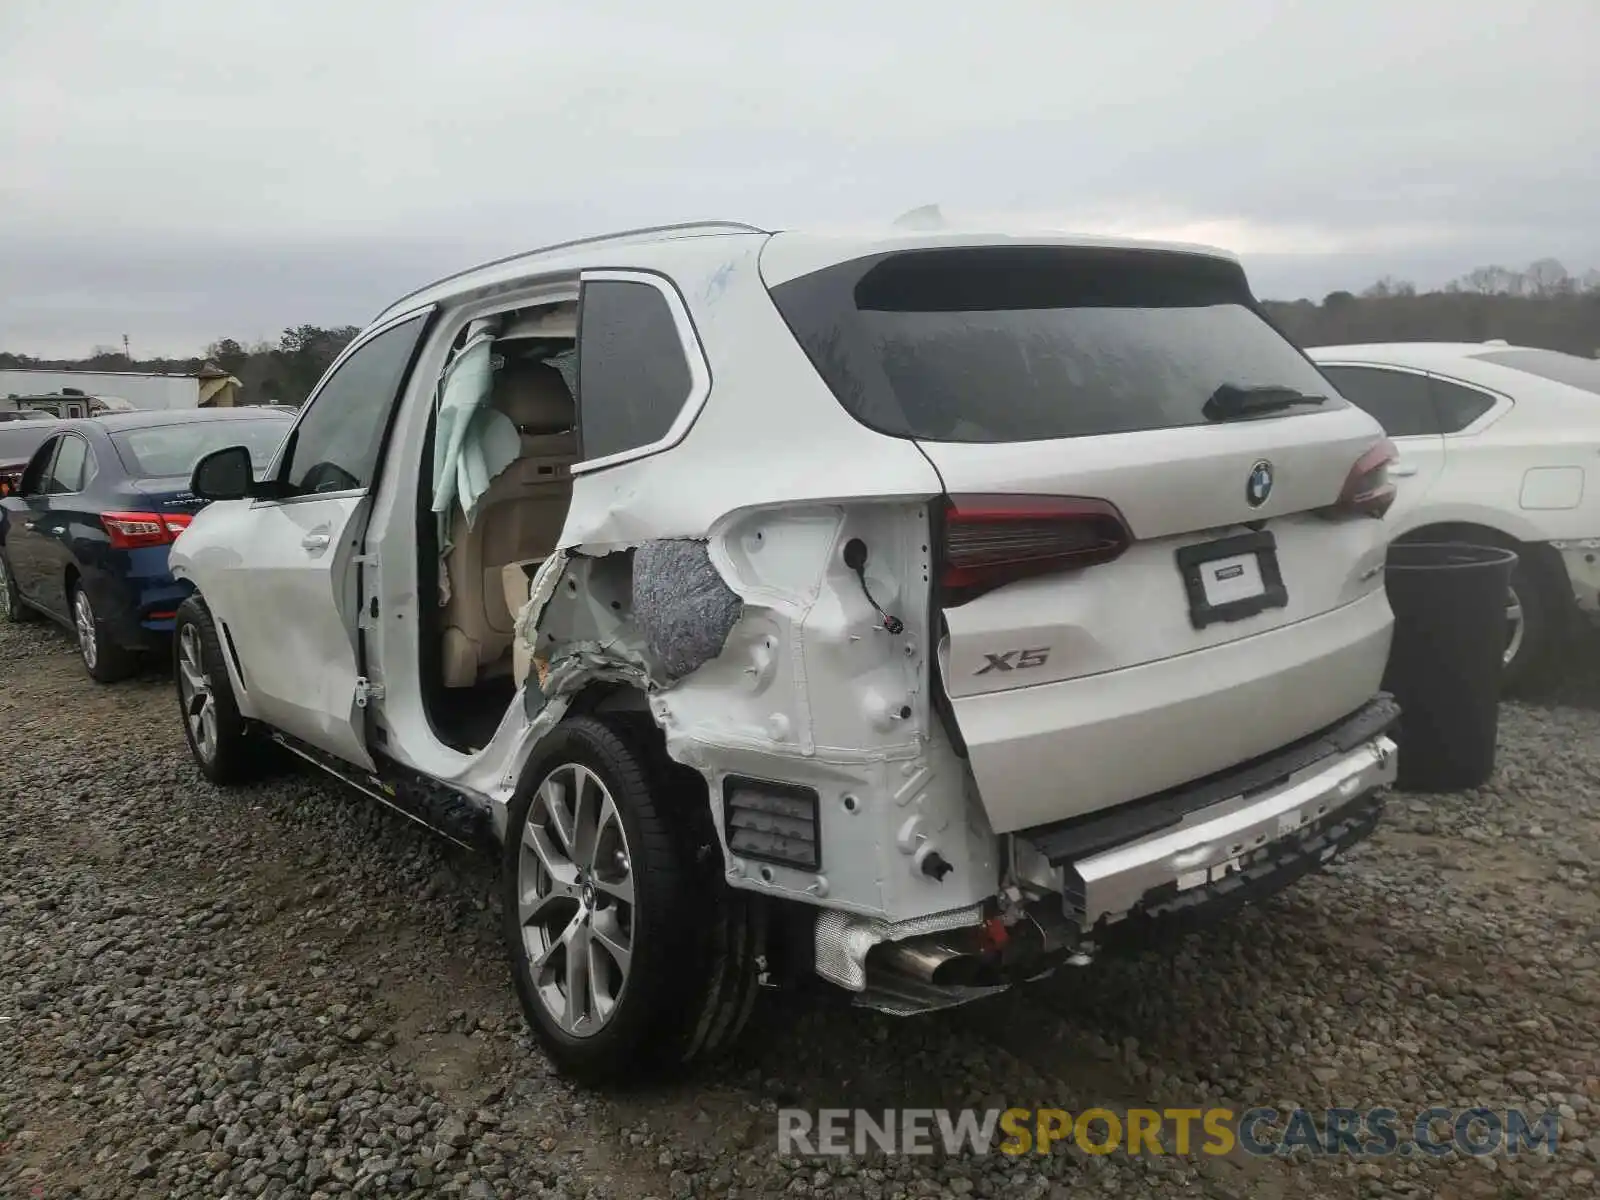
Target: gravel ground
[{"x": 291, "y": 993}]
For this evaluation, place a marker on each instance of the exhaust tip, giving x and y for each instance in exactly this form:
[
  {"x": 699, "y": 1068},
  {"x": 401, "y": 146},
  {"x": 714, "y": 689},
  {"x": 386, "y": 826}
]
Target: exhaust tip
[{"x": 944, "y": 959}]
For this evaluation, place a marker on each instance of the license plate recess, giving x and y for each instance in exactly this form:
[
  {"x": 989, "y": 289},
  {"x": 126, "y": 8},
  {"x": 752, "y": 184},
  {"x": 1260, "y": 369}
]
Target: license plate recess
[{"x": 1232, "y": 578}]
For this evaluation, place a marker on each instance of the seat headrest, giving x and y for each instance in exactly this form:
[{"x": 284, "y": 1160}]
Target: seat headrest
[{"x": 535, "y": 396}]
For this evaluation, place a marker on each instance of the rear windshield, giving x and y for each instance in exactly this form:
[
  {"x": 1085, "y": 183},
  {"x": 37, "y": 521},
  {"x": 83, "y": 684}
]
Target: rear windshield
[
  {"x": 1550, "y": 364},
  {"x": 1015, "y": 344},
  {"x": 174, "y": 449}
]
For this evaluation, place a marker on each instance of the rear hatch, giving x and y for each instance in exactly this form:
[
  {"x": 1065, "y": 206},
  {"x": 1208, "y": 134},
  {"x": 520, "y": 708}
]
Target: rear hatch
[{"x": 1137, "y": 465}]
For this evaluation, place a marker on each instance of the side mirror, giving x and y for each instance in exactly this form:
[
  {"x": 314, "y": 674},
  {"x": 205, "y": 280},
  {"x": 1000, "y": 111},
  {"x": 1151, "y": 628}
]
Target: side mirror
[{"x": 223, "y": 475}]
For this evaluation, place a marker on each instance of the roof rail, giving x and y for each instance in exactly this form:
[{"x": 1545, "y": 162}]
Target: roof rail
[{"x": 707, "y": 227}]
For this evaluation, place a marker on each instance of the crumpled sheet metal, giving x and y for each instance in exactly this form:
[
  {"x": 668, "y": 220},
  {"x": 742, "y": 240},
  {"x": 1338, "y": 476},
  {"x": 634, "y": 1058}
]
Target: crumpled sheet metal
[
  {"x": 681, "y": 605},
  {"x": 681, "y": 613},
  {"x": 547, "y": 689},
  {"x": 526, "y": 626}
]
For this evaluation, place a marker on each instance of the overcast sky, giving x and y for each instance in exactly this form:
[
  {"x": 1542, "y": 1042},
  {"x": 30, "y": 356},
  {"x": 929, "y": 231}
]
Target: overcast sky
[{"x": 186, "y": 170}]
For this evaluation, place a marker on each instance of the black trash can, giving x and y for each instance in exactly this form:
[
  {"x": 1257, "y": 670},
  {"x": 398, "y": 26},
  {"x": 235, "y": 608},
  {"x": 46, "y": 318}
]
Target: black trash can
[{"x": 1449, "y": 604}]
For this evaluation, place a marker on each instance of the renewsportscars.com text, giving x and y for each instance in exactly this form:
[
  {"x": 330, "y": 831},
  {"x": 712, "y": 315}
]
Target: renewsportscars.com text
[{"x": 1374, "y": 1132}]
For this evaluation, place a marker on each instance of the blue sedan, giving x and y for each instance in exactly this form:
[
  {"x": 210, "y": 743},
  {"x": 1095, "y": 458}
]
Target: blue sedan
[{"x": 84, "y": 539}]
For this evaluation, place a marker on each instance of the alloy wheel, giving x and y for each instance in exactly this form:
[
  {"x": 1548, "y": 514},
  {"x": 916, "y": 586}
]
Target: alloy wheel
[
  {"x": 83, "y": 623},
  {"x": 5, "y": 591},
  {"x": 194, "y": 690},
  {"x": 1516, "y": 626},
  {"x": 576, "y": 899}
]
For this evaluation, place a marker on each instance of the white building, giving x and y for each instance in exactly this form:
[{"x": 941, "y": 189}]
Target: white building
[{"x": 210, "y": 387}]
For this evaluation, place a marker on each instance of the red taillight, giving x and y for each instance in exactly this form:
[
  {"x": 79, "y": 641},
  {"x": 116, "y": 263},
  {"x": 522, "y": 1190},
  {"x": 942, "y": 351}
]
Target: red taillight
[
  {"x": 135, "y": 530},
  {"x": 1368, "y": 491},
  {"x": 994, "y": 540}
]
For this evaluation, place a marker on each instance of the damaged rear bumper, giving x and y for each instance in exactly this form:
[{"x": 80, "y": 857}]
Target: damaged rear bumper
[
  {"x": 1581, "y": 558},
  {"x": 1161, "y": 865},
  {"x": 1212, "y": 845}
]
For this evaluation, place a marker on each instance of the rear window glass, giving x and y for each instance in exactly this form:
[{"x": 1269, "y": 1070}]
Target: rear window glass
[
  {"x": 1550, "y": 364},
  {"x": 1018, "y": 344},
  {"x": 167, "y": 450}
]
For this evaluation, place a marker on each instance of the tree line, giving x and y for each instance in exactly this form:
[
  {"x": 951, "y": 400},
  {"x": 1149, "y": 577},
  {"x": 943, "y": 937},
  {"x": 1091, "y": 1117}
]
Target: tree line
[{"x": 1542, "y": 305}]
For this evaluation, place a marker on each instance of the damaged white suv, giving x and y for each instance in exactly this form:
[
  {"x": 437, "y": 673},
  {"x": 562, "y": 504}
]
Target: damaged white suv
[{"x": 916, "y": 611}]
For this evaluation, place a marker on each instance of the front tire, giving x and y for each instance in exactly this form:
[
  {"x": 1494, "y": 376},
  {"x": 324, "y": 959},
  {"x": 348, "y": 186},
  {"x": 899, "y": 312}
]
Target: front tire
[
  {"x": 629, "y": 954},
  {"x": 225, "y": 748},
  {"x": 103, "y": 658}
]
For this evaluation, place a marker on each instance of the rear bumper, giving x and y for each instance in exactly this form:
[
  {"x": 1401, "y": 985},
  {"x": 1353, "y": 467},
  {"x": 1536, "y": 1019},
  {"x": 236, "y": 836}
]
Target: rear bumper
[
  {"x": 158, "y": 607},
  {"x": 1061, "y": 750},
  {"x": 1581, "y": 558},
  {"x": 136, "y": 597},
  {"x": 1237, "y": 844},
  {"x": 1162, "y": 865}
]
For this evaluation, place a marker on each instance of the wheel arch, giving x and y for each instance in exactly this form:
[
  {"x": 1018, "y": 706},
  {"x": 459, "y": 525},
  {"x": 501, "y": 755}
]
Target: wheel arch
[
  {"x": 625, "y": 708},
  {"x": 230, "y": 653},
  {"x": 1542, "y": 560},
  {"x": 603, "y": 697}
]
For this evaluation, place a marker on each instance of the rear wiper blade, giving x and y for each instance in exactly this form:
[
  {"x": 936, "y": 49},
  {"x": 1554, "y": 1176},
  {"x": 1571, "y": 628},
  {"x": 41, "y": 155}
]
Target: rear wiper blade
[{"x": 1231, "y": 401}]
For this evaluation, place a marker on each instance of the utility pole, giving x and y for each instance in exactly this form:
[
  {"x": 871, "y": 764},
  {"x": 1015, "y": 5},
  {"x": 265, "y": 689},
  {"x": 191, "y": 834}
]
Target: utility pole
[{"x": 125, "y": 352}]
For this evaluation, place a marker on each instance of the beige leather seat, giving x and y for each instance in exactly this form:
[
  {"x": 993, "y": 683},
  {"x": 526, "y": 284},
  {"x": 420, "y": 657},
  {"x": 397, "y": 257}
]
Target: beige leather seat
[
  {"x": 519, "y": 521},
  {"x": 517, "y": 580}
]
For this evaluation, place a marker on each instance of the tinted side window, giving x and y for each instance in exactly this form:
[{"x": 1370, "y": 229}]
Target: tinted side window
[
  {"x": 336, "y": 443},
  {"x": 633, "y": 373},
  {"x": 71, "y": 467},
  {"x": 38, "y": 472},
  {"x": 1399, "y": 400},
  {"x": 1458, "y": 406}
]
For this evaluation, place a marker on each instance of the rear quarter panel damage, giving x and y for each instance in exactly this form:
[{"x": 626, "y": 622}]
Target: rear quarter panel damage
[
  {"x": 803, "y": 686},
  {"x": 762, "y": 656}
]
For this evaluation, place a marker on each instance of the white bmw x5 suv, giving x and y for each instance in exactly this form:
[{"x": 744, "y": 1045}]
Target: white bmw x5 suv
[{"x": 916, "y": 611}]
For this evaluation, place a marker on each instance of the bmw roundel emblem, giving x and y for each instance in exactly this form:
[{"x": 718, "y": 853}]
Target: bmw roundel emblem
[{"x": 1259, "y": 486}]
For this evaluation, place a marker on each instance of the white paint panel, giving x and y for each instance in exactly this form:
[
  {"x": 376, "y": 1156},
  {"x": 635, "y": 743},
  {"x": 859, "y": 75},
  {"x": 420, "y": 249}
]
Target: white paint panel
[{"x": 1058, "y": 750}]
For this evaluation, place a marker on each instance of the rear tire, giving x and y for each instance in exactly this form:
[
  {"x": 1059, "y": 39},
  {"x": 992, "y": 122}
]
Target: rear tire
[
  {"x": 1532, "y": 606},
  {"x": 103, "y": 658},
  {"x": 604, "y": 854},
  {"x": 226, "y": 748},
  {"x": 12, "y": 610}
]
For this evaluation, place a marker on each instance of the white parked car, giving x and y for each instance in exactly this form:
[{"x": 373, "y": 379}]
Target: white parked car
[
  {"x": 1496, "y": 443},
  {"x": 916, "y": 611}
]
